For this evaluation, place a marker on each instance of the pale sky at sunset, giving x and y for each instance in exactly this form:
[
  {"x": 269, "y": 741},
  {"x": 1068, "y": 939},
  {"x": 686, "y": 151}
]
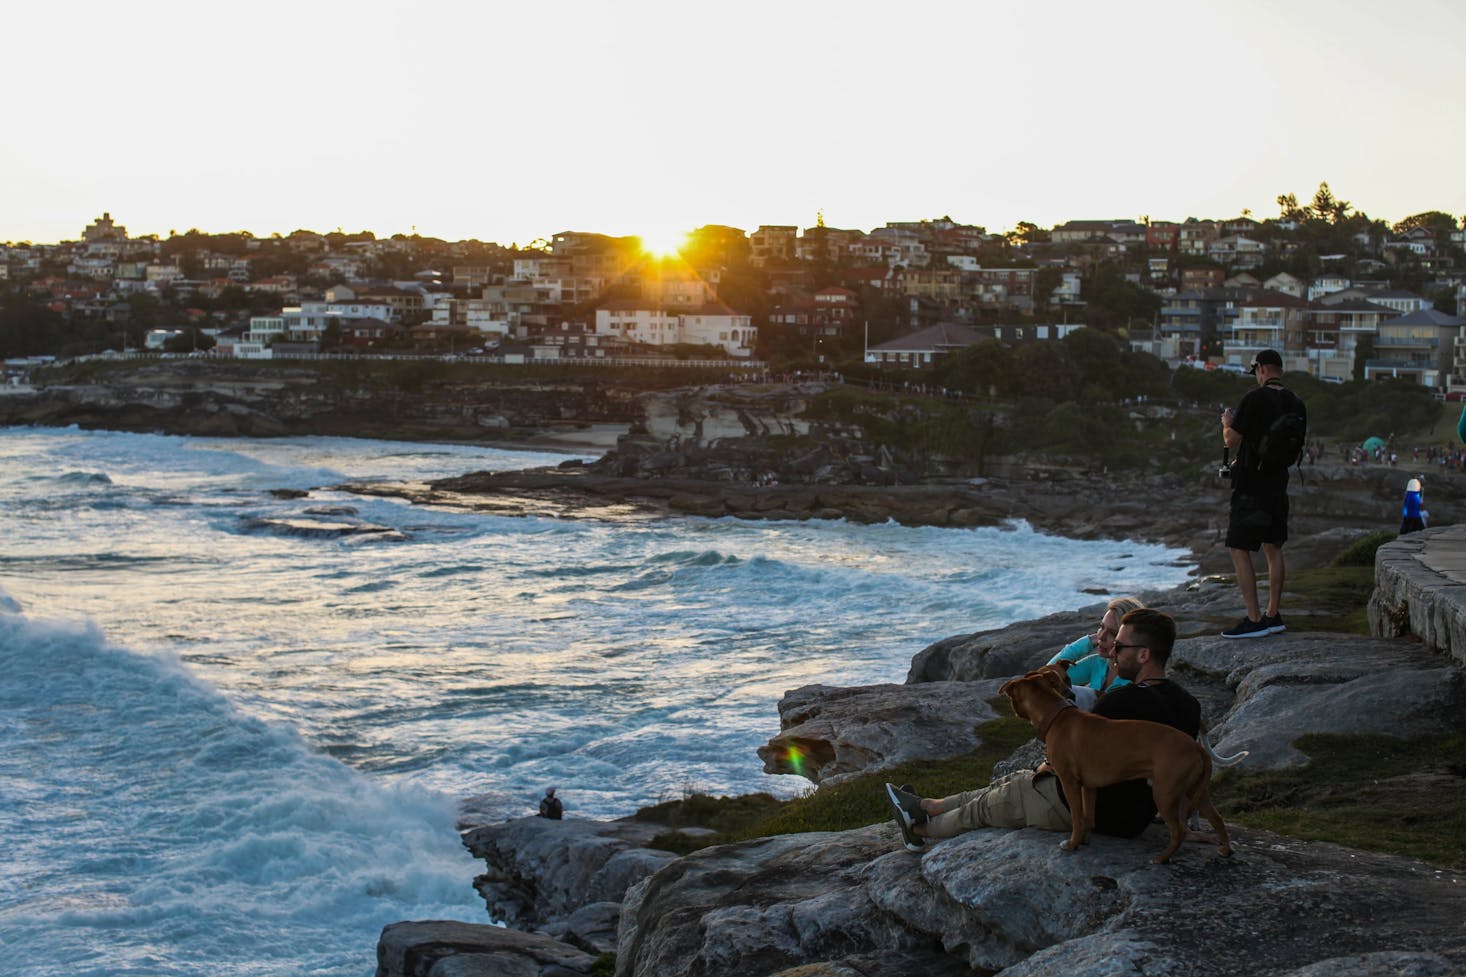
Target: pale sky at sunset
[{"x": 507, "y": 122}]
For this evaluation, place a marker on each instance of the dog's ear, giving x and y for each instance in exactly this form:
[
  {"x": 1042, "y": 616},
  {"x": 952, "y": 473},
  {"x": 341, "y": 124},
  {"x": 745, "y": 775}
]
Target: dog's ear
[{"x": 1057, "y": 680}]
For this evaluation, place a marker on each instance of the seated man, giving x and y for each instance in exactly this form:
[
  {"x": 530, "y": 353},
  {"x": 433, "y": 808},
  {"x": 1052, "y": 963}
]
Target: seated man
[{"x": 1033, "y": 798}]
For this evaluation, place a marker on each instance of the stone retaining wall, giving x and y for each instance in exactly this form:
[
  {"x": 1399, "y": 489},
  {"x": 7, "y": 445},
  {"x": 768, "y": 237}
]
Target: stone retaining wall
[{"x": 1420, "y": 589}]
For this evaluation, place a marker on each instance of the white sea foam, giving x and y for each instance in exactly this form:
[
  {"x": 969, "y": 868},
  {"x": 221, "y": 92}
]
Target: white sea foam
[
  {"x": 151, "y": 828},
  {"x": 232, "y": 752}
]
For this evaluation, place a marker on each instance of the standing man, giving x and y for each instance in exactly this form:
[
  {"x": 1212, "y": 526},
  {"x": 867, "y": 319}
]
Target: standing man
[{"x": 1267, "y": 431}]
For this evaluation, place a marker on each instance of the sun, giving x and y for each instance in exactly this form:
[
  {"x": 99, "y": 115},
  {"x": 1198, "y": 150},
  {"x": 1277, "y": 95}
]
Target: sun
[{"x": 663, "y": 243}]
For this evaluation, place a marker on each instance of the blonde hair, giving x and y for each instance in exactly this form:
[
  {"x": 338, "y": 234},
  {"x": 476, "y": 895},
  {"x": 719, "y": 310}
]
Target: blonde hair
[{"x": 1124, "y": 605}]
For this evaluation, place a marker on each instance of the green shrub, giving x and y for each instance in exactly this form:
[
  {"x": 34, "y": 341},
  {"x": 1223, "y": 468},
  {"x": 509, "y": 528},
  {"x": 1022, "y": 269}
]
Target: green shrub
[{"x": 1360, "y": 553}]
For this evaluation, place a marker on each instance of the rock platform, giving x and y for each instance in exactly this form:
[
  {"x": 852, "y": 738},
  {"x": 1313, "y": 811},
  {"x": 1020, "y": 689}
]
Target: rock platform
[{"x": 856, "y": 904}]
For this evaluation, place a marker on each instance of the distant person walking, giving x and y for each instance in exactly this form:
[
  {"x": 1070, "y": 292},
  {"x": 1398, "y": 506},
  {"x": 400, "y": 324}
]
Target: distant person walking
[
  {"x": 1267, "y": 430},
  {"x": 550, "y": 806},
  {"x": 1414, "y": 516}
]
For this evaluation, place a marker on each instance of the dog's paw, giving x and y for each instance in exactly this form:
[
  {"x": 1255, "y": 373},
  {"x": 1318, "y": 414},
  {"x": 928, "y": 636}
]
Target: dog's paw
[{"x": 1067, "y": 845}]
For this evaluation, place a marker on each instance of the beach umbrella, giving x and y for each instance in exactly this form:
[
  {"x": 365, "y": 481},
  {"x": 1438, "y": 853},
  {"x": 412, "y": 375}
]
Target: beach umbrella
[{"x": 1373, "y": 444}]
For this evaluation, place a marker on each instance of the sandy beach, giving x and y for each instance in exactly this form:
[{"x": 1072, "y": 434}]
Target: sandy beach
[{"x": 592, "y": 439}]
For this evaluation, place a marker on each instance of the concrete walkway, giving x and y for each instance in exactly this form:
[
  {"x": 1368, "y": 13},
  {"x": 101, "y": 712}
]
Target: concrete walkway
[{"x": 1420, "y": 589}]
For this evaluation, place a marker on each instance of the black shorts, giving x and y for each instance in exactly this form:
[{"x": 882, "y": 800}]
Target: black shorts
[{"x": 1254, "y": 520}]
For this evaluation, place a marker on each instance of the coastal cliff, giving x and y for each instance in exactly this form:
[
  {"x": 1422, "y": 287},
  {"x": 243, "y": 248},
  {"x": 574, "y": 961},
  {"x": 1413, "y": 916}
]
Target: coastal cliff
[{"x": 401, "y": 400}]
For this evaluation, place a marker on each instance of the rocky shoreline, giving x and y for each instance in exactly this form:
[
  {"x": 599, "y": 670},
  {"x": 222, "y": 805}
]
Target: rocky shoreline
[
  {"x": 839, "y": 904},
  {"x": 1332, "y": 503}
]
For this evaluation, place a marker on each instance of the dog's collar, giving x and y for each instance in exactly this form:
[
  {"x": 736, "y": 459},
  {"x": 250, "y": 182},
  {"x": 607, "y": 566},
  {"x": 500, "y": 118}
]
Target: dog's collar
[{"x": 1048, "y": 721}]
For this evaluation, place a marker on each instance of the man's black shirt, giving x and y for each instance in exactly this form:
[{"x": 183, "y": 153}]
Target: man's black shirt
[{"x": 1125, "y": 809}]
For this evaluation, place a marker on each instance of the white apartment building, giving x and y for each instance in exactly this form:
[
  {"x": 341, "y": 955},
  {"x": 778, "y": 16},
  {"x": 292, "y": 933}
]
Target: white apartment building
[
  {"x": 308, "y": 321},
  {"x": 718, "y": 325},
  {"x": 97, "y": 268},
  {"x": 714, "y": 325},
  {"x": 164, "y": 274},
  {"x": 655, "y": 327}
]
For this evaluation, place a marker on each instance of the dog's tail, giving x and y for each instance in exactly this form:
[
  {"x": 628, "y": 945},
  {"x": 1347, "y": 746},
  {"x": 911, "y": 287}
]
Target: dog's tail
[{"x": 1216, "y": 758}]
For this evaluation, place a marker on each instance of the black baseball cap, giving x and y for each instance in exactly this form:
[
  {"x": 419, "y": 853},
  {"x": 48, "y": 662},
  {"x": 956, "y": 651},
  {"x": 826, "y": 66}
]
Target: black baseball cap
[{"x": 1265, "y": 357}]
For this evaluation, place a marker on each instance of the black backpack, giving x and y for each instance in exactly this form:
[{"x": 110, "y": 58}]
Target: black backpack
[{"x": 1281, "y": 445}]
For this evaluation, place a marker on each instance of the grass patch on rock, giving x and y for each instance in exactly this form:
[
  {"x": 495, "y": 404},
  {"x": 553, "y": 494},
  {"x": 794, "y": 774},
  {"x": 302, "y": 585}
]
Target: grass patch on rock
[
  {"x": 1336, "y": 598},
  {"x": 833, "y": 807},
  {"x": 1376, "y": 793}
]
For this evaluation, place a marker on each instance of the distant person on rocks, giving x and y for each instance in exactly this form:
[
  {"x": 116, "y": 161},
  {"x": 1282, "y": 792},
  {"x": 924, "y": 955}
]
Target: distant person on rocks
[
  {"x": 550, "y": 806},
  {"x": 1267, "y": 430},
  {"x": 1034, "y": 798},
  {"x": 1414, "y": 516},
  {"x": 1091, "y": 657}
]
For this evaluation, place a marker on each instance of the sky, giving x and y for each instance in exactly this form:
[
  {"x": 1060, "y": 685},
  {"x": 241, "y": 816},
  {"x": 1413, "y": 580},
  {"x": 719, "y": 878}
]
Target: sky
[{"x": 510, "y": 122}]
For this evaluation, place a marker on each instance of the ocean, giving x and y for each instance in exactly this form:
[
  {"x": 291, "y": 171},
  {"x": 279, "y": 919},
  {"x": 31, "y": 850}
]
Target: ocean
[{"x": 237, "y": 723}]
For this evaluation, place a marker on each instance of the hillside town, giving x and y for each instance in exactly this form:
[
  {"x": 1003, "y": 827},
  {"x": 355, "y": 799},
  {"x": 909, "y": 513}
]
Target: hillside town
[{"x": 1341, "y": 296}]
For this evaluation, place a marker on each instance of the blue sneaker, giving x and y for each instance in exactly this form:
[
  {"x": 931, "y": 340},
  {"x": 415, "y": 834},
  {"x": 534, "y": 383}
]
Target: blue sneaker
[
  {"x": 1248, "y": 628},
  {"x": 1274, "y": 623}
]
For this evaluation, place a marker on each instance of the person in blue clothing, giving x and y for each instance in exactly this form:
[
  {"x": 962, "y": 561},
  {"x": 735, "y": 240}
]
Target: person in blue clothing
[
  {"x": 1090, "y": 658},
  {"x": 1413, "y": 516}
]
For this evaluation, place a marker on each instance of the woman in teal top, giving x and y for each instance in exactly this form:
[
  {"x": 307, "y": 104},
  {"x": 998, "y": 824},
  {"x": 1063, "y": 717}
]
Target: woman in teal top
[{"x": 1088, "y": 657}]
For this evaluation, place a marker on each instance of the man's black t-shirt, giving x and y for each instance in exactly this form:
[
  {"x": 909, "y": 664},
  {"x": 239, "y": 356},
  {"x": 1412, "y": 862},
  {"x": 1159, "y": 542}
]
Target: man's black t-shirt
[
  {"x": 1125, "y": 809},
  {"x": 1252, "y": 419}
]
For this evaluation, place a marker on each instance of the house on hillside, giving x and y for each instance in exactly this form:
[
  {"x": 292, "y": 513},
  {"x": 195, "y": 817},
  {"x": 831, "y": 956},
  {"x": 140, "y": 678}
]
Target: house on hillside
[
  {"x": 1327, "y": 284},
  {"x": 1420, "y": 347},
  {"x": 772, "y": 242},
  {"x": 1162, "y": 235},
  {"x": 712, "y": 324},
  {"x": 1202, "y": 276},
  {"x": 921, "y": 350},
  {"x": 1071, "y": 232},
  {"x": 1195, "y": 237},
  {"x": 1267, "y": 320},
  {"x": 1287, "y": 284},
  {"x": 1237, "y": 251},
  {"x": 1335, "y": 332}
]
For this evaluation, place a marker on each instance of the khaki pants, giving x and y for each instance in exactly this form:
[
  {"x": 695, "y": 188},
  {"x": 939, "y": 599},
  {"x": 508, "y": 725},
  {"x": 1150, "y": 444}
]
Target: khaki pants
[{"x": 1016, "y": 801}]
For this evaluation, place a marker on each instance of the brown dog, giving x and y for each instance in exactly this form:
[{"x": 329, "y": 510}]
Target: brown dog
[{"x": 1088, "y": 752}]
